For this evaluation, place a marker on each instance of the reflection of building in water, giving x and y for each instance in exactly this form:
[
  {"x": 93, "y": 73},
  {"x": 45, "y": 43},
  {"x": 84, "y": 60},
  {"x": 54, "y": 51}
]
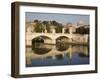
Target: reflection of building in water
[{"x": 30, "y": 55}]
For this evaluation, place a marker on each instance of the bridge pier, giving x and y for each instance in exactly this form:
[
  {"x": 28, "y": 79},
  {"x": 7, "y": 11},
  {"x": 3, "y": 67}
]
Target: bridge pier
[
  {"x": 29, "y": 42},
  {"x": 53, "y": 57},
  {"x": 53, "y": 41},
  {"x": 63, "y": 30},
  {"x": 53, "y": 36}
]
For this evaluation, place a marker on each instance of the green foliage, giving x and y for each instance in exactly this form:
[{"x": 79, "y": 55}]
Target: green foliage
[
  {"x": 36, "y": 21},
  {"x": 47, "y": 25},
  {"x": 59, "y": 28},
  {"x": 67, "y": 31},
  {"x": 82, "y": 30},
  {"x": 54, "y": 23},
  {"x": 39, "y": 27},
  {"x": 42, "y": 25}
]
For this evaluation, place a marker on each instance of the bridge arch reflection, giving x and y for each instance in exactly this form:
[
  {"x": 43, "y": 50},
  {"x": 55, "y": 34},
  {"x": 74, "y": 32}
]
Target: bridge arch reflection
[{"x": 39, "y": 44}]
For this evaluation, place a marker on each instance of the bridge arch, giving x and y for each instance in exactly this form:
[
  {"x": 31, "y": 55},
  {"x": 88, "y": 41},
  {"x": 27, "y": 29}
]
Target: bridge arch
[
  {"x": 42, "y": 39},
  {"x": 38, "y": 44},
  {"x": 48, "y": 37},
  {"x": 62, "y": 39}
]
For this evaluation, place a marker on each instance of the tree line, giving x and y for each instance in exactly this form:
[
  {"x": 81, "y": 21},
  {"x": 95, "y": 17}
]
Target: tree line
[{"x": 48, "y": 25}]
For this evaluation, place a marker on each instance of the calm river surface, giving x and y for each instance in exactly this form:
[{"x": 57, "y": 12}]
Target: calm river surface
[{"x": 56, "y": 55}]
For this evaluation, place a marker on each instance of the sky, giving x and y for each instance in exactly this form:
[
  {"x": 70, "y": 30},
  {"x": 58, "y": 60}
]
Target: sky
[{"x": 61, "y": 18}]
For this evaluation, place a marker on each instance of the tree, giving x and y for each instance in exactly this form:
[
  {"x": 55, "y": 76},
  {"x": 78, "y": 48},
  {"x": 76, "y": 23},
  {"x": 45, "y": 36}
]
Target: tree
[
  {"x": 59, "y": 28},
  {"x": 53, "y": 23},
  {"x": 82, "y": 30},
  {"x": 47, "y": 25},
  {"x": 39, "y": 27},
  {"x": 36, "y": 21}
]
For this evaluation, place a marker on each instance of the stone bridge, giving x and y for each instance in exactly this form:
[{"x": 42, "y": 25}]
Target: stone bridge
[{"x": 54, "y": 36}]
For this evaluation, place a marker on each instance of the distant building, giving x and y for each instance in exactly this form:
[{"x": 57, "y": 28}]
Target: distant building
[
  {"x": 30, "y": 26},
  {"x": 70, "y": 27}
]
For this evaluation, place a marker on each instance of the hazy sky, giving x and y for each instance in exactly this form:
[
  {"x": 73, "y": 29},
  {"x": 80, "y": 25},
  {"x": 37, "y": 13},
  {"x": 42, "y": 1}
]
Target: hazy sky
[{"x": 61, "y": 18}]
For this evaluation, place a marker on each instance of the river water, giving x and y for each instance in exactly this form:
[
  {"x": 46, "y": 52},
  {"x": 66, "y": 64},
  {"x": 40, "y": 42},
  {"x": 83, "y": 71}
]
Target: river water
[{"x": 41, "y": 54}]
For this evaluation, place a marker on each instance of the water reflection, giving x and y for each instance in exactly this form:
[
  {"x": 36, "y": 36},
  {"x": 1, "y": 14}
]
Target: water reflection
[
  {"x": 59, "y": 57},
  {"x": 61, "y": 54},
  {"x": 41, "y": 48},
  {"x": 62, "y": 46}
]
